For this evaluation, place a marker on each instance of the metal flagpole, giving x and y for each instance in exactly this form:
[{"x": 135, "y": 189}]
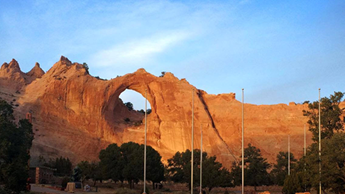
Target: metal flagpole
[
  {"x": 242, "y": 141},
  {"x": 191, "y": 164},
  {"x": 289, "y": 156},
  {"x": 145, "y": 142},
  {"x": 319, "y": 142},
  {"x": 305, "y": 154},
  {"x": 305, "y": 143},
  {"x": 201, "y": 160}
]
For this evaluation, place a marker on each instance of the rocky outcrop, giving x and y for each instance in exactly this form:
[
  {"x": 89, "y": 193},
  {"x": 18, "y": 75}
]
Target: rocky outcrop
[
  {"x": 76, "y": 115},
  {"x": 13, "y": 79},
  {"x": 35, "y": 72},
  {"x": 11, "y": 76}
]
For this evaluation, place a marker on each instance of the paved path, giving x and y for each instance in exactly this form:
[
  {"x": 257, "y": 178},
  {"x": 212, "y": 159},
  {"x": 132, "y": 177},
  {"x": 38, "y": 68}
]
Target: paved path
[
  {"x": 38, "y": 188},
  {"x": 46, "y": 190}
]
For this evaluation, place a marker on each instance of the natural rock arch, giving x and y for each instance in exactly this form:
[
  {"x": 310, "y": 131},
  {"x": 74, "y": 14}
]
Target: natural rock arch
[
  {"x": 169, "y": 124},
  {"x": 91, "y": 105},
  {"x": 113, "y": 107},
  {"x": 74, "y": 114}
]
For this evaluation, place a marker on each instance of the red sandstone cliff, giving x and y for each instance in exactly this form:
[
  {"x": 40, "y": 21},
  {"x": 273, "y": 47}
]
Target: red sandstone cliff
[{"x": 76, "y": 115}]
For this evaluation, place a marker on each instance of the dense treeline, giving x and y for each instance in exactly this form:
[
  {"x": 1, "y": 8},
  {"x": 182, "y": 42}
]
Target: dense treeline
[
  {"x": 214, "y": 175},
  {"x": 62, "y": 166},
  {"x": 124, "y": 163}
]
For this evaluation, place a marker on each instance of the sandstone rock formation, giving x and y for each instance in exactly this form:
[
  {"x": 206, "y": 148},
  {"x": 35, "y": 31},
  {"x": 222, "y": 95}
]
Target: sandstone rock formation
[
  {"x": 76, "y": 115},
  {"x": 35, "y": 72}
]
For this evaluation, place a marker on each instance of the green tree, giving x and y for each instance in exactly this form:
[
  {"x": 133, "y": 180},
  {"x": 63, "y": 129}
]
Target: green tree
[
  {"x": 179, "y": 167},
  {"x": 280, "y": 170},
  {"x": 162, "y": 74},
  {"x": 255, "y": 168},
  {"x": 129, "y": 105},
  {"x": 214, "y": 175},
  {"x": 332, "y": 161},
  {"x": 236, "y": 173},
  {"x": 332, "y": 119},
  {"x": 6, "y": 111},
  {"x": 306, "y": 174},
  {"x": 85, "y": 169},
  {"x": 127, "y": 163},
  {"x": 86, "y": 67},
  {"x": 90, "y": 170},
  {"x": 333, "y": 146},
  {"x": 133, "y": 157},
  {"x": 154, "y": 165},
  {"x": 15, "y": 143},
  {"x": 292, "y": 184},
  {"x": 111, "y": 163}
]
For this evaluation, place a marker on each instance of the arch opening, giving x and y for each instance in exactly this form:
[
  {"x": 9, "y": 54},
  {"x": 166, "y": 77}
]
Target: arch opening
[
  {"x": 131, "y": 108},
  {"x": 135, "y": 99},
  {"x": 124, "y": 109}
]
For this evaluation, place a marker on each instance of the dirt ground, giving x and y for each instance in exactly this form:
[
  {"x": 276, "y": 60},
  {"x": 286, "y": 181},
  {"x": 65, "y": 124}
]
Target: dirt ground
[
  {"x": 168, "y": 188},
  {"x": 46, "y": 189}
]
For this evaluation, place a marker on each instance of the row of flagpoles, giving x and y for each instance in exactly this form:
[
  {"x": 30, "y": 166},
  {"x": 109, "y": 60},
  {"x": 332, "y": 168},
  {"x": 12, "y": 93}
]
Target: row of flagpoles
[{"x": 192, "y": 145}]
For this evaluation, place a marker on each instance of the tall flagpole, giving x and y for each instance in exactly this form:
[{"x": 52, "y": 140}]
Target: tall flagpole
[
  {"x": 191, "y": 164},
  {"x": 305, "y": 143},
  {"x": 201, "y": 160},
  {"x": 145, "y": 142},
  {"x": 242, "y": 141},
  {"x": 289, "y": 156},
  {"x": 305, "y": 154},
  {"x": 319, "y": 142}
]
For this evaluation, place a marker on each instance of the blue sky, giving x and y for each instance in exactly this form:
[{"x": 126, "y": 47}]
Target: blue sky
[{"x": 279, "y": 51}]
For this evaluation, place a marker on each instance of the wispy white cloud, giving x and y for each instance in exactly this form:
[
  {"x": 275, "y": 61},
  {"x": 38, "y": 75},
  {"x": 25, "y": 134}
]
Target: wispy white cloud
[
  {"x": 233, "y": 42},
  {"x": 142, "y": 50}
]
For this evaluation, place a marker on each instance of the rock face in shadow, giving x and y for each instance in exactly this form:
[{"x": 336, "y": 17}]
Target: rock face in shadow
[{"x": 76, "y": 115}]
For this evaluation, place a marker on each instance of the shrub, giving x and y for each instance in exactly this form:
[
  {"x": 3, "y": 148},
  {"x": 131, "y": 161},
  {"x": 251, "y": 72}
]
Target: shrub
[
  {"x": 129, "y": 105},
  {"x": 162, "y": 74}
]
